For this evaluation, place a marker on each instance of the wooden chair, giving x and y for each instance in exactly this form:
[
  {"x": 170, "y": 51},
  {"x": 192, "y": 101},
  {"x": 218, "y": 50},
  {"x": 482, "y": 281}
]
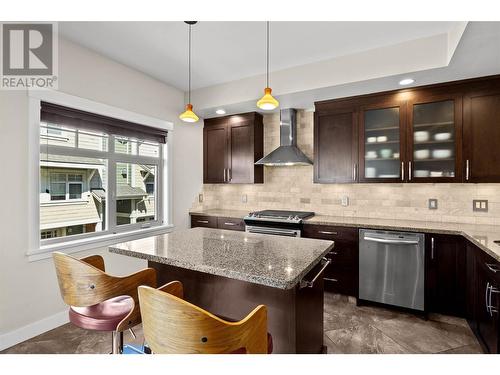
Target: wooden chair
[
  {"x": 173, "y": 325},
  {"x": 99, "y": 301}
]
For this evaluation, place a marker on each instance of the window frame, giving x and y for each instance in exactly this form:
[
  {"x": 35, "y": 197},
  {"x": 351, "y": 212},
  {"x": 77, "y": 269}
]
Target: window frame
[{"x": 40, "y": 249}]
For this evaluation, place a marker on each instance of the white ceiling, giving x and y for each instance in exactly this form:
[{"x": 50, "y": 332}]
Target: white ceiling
[{"x": 229, "y": 51}]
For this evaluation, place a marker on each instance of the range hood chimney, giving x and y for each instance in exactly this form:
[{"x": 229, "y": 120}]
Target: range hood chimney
[{"x": 287, "y": 153}]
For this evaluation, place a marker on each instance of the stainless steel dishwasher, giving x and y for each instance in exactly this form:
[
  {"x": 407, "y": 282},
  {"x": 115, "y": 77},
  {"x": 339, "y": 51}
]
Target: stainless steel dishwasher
[{"x": 391, "y": 268}]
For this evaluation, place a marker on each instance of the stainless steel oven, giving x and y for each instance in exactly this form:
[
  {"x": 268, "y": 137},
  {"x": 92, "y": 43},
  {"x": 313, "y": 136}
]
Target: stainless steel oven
[
  {"x": 277, "y": 222},
  {"x": 273, "y": 230}
]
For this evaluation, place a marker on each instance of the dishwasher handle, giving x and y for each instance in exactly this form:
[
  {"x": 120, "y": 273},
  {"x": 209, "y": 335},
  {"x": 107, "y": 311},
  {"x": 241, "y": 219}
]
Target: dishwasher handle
[{"x": 391, "y": 241}]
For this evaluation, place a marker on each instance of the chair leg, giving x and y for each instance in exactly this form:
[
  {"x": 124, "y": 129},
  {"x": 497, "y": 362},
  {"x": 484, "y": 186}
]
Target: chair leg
[{"x": 117, "y": 338}]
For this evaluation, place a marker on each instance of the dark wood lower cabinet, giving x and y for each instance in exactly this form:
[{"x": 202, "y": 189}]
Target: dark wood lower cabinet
[
  {"x": 485, "y": 299},
  {"x": 341, "y": 276},
  {"x": 446, "y": 274},
  {"x": 228, "y": 223}
]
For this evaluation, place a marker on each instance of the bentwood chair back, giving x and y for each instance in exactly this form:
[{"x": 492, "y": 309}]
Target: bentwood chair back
[
  {"x": 173, "y": 325},
  {"x": 97, "y": 300}
]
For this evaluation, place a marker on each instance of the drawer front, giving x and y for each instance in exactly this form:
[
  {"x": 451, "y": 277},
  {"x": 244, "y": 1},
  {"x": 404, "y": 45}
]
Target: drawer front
[
  {"x": 341, "y": 281},
  {"x": 230, "y": 223},
  {"x": 342, "y": 254},
  {"x": 203, "y": 221},
  {"x": 332, "y": 233}
]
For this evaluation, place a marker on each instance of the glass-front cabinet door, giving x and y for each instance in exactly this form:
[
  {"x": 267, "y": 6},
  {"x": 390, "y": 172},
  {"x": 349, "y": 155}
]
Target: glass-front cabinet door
[
  {"x": 434, "y": 140},
  {"x": 382, "y": 144}
]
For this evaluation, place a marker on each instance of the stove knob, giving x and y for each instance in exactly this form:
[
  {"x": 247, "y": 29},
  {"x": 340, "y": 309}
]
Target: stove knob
[
  {"x": 296, "y": 217},
  {"x": 290, "y": 217}
]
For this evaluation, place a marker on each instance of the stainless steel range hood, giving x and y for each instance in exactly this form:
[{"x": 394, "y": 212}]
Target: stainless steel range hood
[{"x": 287, "y": 153}]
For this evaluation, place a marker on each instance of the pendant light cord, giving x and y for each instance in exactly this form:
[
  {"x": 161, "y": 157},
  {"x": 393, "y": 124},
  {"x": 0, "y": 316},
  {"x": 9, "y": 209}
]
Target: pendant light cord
[
  {"x": 189, "y": 66},
  {"x": 267, "y": 54}
]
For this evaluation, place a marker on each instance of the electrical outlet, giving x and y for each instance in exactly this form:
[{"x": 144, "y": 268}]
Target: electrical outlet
[
  {"x": 433, "y": 204},
  {"x": 480, "y": 205},
  {"x": 344, "y": 201},
  {"x": 244, "y": 198},
  {"x": 200, "y": 198}
]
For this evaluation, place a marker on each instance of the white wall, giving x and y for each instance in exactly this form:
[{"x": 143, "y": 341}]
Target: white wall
[{"x": 28, "y": 291}]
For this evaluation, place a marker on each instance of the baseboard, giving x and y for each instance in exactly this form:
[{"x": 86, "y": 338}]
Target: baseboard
[{"x": 34, "y": 329}]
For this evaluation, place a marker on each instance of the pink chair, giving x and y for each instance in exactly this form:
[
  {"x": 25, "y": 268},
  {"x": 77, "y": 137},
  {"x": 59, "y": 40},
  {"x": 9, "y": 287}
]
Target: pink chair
[{"x": 98, "y": 301}]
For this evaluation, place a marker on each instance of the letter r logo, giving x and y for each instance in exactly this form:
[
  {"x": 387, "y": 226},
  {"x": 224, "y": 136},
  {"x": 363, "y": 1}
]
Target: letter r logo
[{"x": 27, "y": 49}]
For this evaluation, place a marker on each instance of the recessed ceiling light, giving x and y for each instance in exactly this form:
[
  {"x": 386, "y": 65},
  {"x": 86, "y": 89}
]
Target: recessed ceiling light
[
  {"x": 220, "y": 112},
  {"x": 406, "y": 81}
]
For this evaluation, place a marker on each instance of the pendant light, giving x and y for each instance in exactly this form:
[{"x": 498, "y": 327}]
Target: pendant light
[
  {"x": 188, "y": 115},
  {"x": 267, "y": 102}
]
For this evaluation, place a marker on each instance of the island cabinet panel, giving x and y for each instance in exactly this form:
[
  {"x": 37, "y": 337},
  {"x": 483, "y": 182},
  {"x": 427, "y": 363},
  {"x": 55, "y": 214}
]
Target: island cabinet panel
[
  {"x": 446, "y": 275},
  {"x": 481, "y": 135},
  {"x": 295, "y": 316},
  {"x": 341, "y": 276},
  {"x": 231, "y": 146},
  {"x": 486, "y": 300},
  {"x": 336, "y": 147},
  {"x": 203, "y": 221}
]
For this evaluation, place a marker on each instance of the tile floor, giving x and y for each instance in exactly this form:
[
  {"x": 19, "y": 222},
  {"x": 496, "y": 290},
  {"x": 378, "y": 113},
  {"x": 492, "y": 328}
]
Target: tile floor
[{"x": 348, "y": 329}]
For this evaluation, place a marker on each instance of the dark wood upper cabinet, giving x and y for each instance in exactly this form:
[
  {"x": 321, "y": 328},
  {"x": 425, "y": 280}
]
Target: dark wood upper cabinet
[
  {"x": 231, "y": 146},
  {"x": 447, "y": 132},
  {"x": 214, "y": 152},
  {"x": 382, "y": 142},
  {"x": 482, "y": 134},
  {"x": 434, "y": 138},
  {"x": 336, "y": 147}
]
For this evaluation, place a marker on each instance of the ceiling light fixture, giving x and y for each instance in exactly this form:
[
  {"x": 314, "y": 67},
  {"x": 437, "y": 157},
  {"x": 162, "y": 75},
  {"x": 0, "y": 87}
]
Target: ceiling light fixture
[
  {"x": 220, "y": 112},
  {"x": 267, "y": 102},
  {"x": 406, "y": 81},
  {"x": 188, "y": 115}
]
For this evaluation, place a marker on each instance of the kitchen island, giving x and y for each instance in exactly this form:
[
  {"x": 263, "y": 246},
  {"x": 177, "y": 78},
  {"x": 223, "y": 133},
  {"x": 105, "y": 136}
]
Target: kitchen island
[{"x": 229, "y": 273}]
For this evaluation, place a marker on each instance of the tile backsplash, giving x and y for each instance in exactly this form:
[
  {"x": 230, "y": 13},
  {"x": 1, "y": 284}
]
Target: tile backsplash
[{"x": 292, "y": 188}]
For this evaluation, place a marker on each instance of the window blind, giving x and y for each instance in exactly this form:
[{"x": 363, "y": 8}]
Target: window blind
[{"x": 56, "y": 114}]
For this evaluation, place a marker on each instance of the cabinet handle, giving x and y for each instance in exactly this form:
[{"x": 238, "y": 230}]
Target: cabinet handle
[
  {"x": 224, "y": 178},
  {"x": 402, "y": 171},
  {"x": 326, "y": 232},
  {"x": 467, "y": 169},
  {"x": 330, "y": 279},
  {"x": 229, "y": 174},
  {"x": 409, "y": 171},
  {"x": 432, "y": 247},
  {"x": 230, "y": 224},
  {"x": 492, "y": 267},
  {"x": 486, "y": 298},
  {"x": 489, "y": 305},
  {"x": 493, "y": 290},
  {"x": 202, "y": 221},
  {"x": 354, "y": 171}
]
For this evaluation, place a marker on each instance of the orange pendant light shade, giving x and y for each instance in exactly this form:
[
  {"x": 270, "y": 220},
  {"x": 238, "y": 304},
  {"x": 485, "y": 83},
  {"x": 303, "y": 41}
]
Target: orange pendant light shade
[
  {"x": 267, "y": 102},
  {"x": 188, "y": 115}
]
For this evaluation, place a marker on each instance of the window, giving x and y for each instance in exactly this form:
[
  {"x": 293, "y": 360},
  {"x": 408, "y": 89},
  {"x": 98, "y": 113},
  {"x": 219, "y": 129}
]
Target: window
[
  {"x": 97, "y": 174},
  {"x": 65, "y": 186}
]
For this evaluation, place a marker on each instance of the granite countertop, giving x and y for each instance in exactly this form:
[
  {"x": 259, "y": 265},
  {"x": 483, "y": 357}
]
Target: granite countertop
[
  {"x": 275, "y": 261},
  {"x": 481, "y": 235}
]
